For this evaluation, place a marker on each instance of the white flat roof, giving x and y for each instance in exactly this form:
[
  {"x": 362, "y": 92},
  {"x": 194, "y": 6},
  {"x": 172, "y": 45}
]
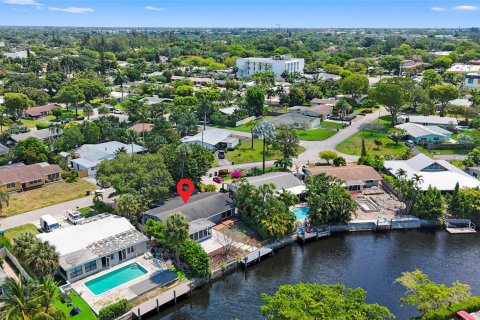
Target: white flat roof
[
  {"x": 211, "y": 137},
  {"x": 76, "y": 238}
]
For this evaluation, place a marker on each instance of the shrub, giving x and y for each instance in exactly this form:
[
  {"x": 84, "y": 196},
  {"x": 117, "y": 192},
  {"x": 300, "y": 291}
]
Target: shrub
[
  {"x": 41, "y": 125},
  {"x": 195, "y": 257},
  {"x": 70, "y": 176},
  {"x": 236, "y": 174},
  {"x": 4, "y": 242},
  {"x": 470, "y": 305},
  {"x": 114, "y": 310},
  {"x": 210, "y": 188}
]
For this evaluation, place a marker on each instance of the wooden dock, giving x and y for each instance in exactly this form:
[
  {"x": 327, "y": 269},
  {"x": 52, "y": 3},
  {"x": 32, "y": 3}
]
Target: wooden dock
[
  {"x": 459, "y": 226},
  {"x": 461, "y": 230},
  {"x": 304, "y": 236},
  {"x": 255, "y": 256},
  {"x": 156, "y": 303}
]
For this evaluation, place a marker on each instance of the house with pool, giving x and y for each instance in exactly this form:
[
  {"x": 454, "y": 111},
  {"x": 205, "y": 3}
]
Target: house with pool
[
  {"x": 203, "y": 211},
  {"x": 354, "y": 177},
  {"x": 281, "y": 180},
  {"x": 101, "y": 242}
]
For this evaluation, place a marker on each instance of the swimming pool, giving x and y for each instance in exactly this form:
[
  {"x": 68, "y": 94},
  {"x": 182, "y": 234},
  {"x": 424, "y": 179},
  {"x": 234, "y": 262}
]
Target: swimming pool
[
  {"x": 115, "y": 278},
  {"x": 300, "y": 212}
]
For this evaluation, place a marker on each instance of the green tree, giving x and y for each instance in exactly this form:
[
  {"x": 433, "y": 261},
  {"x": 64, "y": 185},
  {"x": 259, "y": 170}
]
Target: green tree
[
  {"x": 430, "y": 205},
  {"x": 193, "y": 166},
  {"x": 320, "y": 301},
  {"x": 155, "y": 229},
  {"x": 430, "y": 78},
  {"x": 90, "y": 88},
  {"x": 120, "y": 79},
  {"x": 328, "y": 155},
  {"x": 355, "y": 85},
  {"x": 364, "y": 149},
  {"x": 465, "y": 202},
  {"x": 443, "y": 94},
  {"x": 442, "y": 62},
  {"x": 266, "y": 131},
  {"x": 43, "y": 258},
  {"x": 254, "y": 99},
  {"x": 103, "y": 110},
  {"x": 378, "y": 143},
  {"x": 32, "y": 150},
  {"x": 396, "y": 134},
  {"x": 21, "y": 301},
  {"x": 184, "y": 91},
  {"x": 71, "y": 139},
  {"x": 131, "y": 138},
  {"x": 342, "y": 108},
  {"x": 57, "y": 112},
  {"x": 391, "y": 63},
  {"x": 87, "y": 110},
  {"x": 286, "y": 141},
  {"x": 130, "y": 205},
  {"x": 296, "y": 97},
  {"x": 22, "y": 245},
  {"x": 195, "y": 256},
  {"x": 175, "y": 233},
  {"x": 91, "y": 132},
  {"x": 391, "y": 96},
  {"x": 427, "y": 295},
  {"x": 16, "y": 103},
  {"x": 339, "y": 162},
  {"x": 70, "y": 94}
]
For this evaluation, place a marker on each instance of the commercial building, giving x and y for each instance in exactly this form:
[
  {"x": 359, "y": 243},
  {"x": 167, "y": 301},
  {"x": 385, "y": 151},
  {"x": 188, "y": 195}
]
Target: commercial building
[
  {"x": 425, "y": 134},
  {"x": 278, "y": 64},
  {"x": 435, "y": 173},
  {"x": 203, "y": 211},
  {"x": 102, "y": 242},
  {"x": 20, "y": 177},
  {"x": 355, "y": 177}
]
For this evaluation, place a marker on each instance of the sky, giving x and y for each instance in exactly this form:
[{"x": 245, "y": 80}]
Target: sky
[{"x": 243, "y": 13}]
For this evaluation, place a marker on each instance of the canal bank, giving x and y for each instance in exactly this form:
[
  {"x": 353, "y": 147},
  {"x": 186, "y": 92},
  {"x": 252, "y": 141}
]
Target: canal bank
[{"x": 368, "y": 260}]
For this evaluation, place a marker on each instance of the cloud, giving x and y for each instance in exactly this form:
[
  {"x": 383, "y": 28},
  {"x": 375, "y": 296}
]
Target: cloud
[
  {"x": 72, "y": 10},
  {"x": 466, "y": 8},
  {"x": 438, "y": 9},
  {"x": 22, "y": 2},
  {"x": 150, "y": 8}
]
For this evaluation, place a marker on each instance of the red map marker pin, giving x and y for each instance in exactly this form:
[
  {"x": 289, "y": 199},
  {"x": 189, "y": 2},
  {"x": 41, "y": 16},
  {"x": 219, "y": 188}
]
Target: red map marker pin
[{"x": 185, "y": 194}]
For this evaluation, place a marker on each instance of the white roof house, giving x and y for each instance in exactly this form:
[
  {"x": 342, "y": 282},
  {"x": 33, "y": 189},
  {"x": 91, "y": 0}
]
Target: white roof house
[
  {"x": 417, "y": 131},
  {"x": 229, "y": 110},
  {"x": 17, "y": 55},
  {"x": 212, "y": 138},
  {"x": 464, "y": 68},
  {"x": 428, "y": 120},
  {"x": 281, "y": 180},
  {"x": 436, "y": 173},
  {"x": 101, "y": 236},
  {"x": 90, "y": 155}
]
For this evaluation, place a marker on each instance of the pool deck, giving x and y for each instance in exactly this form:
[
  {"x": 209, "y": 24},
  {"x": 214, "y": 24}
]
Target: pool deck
[{"x": 97, "y": 302}]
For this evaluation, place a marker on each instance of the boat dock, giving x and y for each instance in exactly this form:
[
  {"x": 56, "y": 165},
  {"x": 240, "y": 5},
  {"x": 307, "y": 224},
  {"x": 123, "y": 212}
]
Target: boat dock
[
  {"x": 304, "y": 236},
  {"x": 383, "y": 224},
  {"x": 459, "y": 226},
  {"x": 255, "y": 256},
  {"x": 164, "y": 298}
]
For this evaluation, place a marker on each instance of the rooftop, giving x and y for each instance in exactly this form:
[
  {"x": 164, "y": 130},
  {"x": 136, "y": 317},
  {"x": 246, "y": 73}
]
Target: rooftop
[
  {"x": 39, "y": 134},
  {"x": 281, "y": 180},
  {"x": 210, "y": 136},
  {"x": 199, "y": 206},
  {"x": 431, "y": 119},
  {"x": 348, "y": 173},
  {"x": 92, "y": 154},
  {"x": 140, "y": 127},
  {"x": 38, "y": 110},
  {"x": 291, "y": 118},
  {"x": 417, "y": 130},
  {"x": 26, "y": 173}
]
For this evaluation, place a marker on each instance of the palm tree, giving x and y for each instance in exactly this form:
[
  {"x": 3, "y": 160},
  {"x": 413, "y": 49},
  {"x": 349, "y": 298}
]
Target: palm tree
[
  {"x": 48, "y": 293},
  {"x": 120, "y": 151},
  {"x": 176, "y": 231},
  {"x": 144, "y": 112},
  {"x": 132, "y": 138},
  {"x": 401, "y": 173},
  {"x": 418, "y": 179},
  {"x": 120, "y": 79},
  {"x": 43, "y": 258},
  {"x": 21, "y": 300},
  {"x": 4, "y": 200},
  {"x": 204, "y": 108},
  {"x": 184, "y": 152},
  {"x": 264, "y": 130},
  {"x": 22, "y": 245}
]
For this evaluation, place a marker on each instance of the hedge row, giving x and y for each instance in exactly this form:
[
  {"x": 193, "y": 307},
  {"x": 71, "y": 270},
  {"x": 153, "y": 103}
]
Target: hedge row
[{"x": 114, "y": 310}]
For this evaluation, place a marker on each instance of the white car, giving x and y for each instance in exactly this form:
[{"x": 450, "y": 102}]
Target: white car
[
  {"x": 74, "y": 216},
  {"x": 117, "y": 111}
]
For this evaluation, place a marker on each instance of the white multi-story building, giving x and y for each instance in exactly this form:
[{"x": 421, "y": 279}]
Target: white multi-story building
[
  {"x": 472, "y": 80},
  {"x": 277, "y": 64}
]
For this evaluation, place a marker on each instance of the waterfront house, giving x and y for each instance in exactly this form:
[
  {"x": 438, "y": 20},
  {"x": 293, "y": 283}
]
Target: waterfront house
[
  {"x": 282, "y": 181},
  {"x": 296, "y": 120},
  {"x": 436, "y": 173},
  {"x": 43, "y": 134},
  {"x": 89, "y": 156},
  {"x": 425, "y": 134},
  {"x": 213, "y": 139},
  {"x": 39, "y": 111},
  {"x": 21, "y": 177},
  {"x": 203, "y": 211},
  {"x": 354, "y": 177},
  {"x": 100, "y": 243},
  {"x": 445, "y": 122}
]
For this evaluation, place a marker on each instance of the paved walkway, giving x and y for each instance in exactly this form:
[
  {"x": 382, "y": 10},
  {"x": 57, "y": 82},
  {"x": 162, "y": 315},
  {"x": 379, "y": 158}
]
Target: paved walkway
[{"x": 57, "y": 211}]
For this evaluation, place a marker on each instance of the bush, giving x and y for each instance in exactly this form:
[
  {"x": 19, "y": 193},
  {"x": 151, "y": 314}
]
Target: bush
[
  {"x": 195, "y": 257},
  {"x": 4, "y": 242},
  {"x": 101, "y": 207},
  {"x": 470, "y": 305},
  {"x": 114, "y": 310},
  {"x": 41, "y": 125}
]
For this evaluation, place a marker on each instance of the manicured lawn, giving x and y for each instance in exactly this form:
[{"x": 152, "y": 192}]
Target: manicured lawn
[
  {"x": 315, "y": 134},
  {"x": 66, "y": 114},
  {"x": 13, "y": 233},
  {"x": 46, "y": 196},
  {"x": 247, "y": 127},
  {"x": 31, "y": 123},
  {"x": 243, "y": 154},
  {"x": 353, "y": 144},
  {"x": 329, "y": 124},
  {"x": 436, "y": 151},
  {"x": 77, "y": 301}
]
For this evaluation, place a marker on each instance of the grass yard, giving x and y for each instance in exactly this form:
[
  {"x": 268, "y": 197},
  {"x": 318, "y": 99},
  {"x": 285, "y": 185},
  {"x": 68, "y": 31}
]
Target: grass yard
[
  {"x": 13, "y": 233},
  {"x": 329, "y": 124},
  {"x": 77, "y": 301},
  {"x": 444, "y": 152},
  {"x": 65, "y": 115},
  {"x": 243, "y": 154},
  {"x": 353, "y": 144},
  {"x": 315, "y": 134},
  {"x": 46, "y": 196},
  {"x": 247, "y": 127},
  {"x": 31, "y": 123}
]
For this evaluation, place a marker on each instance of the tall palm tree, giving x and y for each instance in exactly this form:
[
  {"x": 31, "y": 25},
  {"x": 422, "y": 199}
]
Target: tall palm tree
[
  {"x": 401, "y": 173},
  {"x": 184, "y": 152},
  {"x": 120, "y": 79},
  {"x": 418, "y": 179},
  {"x": 132, "y": 138},
  {"x": 43, "y": 258},
  {"x": 22, "y": 245},
  {"x": 48, "y": 293},
  {"x": 4, "y": 200},
  {"x": 265, "y": 130},
  {"x": 176, "y": 230},
  {"x": 204, "y": 108},
  {"x": 145, "y": 113},
  {"x": 21, "y": 300}
]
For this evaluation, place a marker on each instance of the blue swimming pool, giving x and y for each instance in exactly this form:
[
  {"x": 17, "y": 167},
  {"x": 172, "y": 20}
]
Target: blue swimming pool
[
  {"x": 300, "y": 212},
  {"x": 115, "y": 278}
]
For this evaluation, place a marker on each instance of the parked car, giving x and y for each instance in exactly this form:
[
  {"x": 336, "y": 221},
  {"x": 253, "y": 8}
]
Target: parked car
[
  {"x": 48, "y": 223},
  {"x": 74, "y": 216},
  {"x": 410, "y": 143},
  {"x": 221, "y": 154},
  {"x": 218, "y": 179},
  {"x": 117, "y": 111},
  {"x": 66, "y": 120}
]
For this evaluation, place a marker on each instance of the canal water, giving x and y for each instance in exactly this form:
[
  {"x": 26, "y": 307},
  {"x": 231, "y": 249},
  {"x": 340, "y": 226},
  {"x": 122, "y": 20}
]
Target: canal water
[{"x": 367, "y": 260}]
